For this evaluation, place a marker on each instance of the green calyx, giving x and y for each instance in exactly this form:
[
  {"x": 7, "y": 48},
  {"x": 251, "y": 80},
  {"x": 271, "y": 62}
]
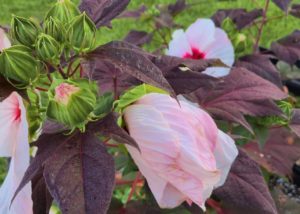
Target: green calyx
[
  {"x": 48, "y": 49},
  {"x": 55, "y": 28},
  {"x": 64, "y": 11},
  {"x": 18, "y": 65},
  {"x": 82, "y": 34},
  {"x": 71, "y": 102},
  {"x": 24, "y": 30}
]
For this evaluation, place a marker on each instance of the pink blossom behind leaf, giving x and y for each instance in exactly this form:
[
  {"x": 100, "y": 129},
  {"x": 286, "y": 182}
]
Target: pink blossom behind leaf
[
  {"x": 183, "y": 155},
  {"x": 203, "y": 40},
  {"x": 14, "y": 144}
]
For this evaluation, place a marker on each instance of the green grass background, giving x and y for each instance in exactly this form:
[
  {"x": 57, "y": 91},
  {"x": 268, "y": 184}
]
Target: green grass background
[{"x": 205, "y": 8}]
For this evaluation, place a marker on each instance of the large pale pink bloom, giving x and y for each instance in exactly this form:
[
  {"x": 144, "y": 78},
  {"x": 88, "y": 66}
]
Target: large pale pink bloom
[
  {"x": 183, "y": 154},
  {"x": 4, "y": 41},
  {"x": 14, "y": 144},
  {"x": 202, "y": 40}
]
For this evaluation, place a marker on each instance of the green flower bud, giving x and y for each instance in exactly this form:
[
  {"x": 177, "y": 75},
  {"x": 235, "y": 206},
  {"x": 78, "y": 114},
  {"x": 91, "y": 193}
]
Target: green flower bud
[
  {"x": 18, "y": 64},
  {"x": 24, "y": 30},
  {"x": 64, "y": 11},
  {"x": 71, "y": 102},
  {"x": 82, "y": 33},
  {"x": 48, "y": 49},
  {"x": 55, "y": 28}
]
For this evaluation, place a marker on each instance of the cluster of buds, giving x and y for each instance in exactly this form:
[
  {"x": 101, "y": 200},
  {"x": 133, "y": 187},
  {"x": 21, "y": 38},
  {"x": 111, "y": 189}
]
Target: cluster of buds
[{"x": 41, "y": 50}]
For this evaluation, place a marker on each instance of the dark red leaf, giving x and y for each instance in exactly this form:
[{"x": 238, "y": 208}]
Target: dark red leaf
[
  {"x": 103, "y": 11},
  {"x": 288, "y": 48},
  {"x": 80, "y": 175},
  {"x": 177, "y": 7},
  {"x": 241, "y": 93},
  {"x": 6, "y": 89},
  {"x": 47, "y": 145},
  {"x": 134, "y": 13},
  {"x": 185, "y": 82},
  {"x": 262, "y": 66},
  {"x": 295, "y": 10},
  {"x": 279, "y": 153},
  {"x": 41, "y": 197},
  {"x": 138, "y": 38},
  {"x": 283, "y": 4},
  {"x": 239, "y": 16},
  {"x": 295, "y": 122},
  {"x": 108, "y": 76},
  {"x": 108, "y": 126},
  {"x": 245, "y": 190},
  {"x": 134, "y": 61},
  {"x": 52, "y": 127},
  {"x": 169, "y": 63}
]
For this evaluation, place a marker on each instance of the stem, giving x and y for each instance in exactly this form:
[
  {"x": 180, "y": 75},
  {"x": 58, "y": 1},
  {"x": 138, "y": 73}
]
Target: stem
[
  {"x": 124, "y": 182},
  {"x": 61, "y": 71},
  {"x": 74, "y": 71},
  {"x": 70, "y": 67},
  {"x": 133, "y": 186},
  {"x": 263, "y": 22},
  {"x": 41, "y": 89},
  {"x": 215, "y": 205}
]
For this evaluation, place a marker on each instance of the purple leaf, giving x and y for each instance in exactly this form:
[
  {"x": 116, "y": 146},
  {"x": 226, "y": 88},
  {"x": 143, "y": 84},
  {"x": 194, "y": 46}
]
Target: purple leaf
[
  {"x": 279, "y": 153},
  {"x": 295, "y": 10},
  {"x": 108, "y": 126},
  {"x": 241, "y": 93},
  {"x": 288, "y": 48},
  {"x": 103, "y": 11},
  {"x": 133, "y": 13},
  {"x": 80, "y": 175},
  {"x": 185, "y": 82},
  {"x": 177, "y": 7},
  {"x": 282, "y": 4},
  {"x": 108, "y": 76},
  {"x": 245, "y": 190},
  {"x": 295, "y": 122},
  {"x": 41, "y": 197},
  {"x": 262, "y": 66},
  {"x": 239, "y": 16},
  {"x": 133, "y": 61},
  {"x": 138, "y": 38}
]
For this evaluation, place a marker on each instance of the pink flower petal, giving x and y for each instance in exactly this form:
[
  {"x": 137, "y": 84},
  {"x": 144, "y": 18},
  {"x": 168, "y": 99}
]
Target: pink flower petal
[
  {"x": 4, "y": 41},
  {"x": 179, "y": 45},
  {"x": 221, "y": 49},
  {"x": 201, "y": 34},
  {"x": 225, "y": 154},
  {"x": 14, "y": 143}
]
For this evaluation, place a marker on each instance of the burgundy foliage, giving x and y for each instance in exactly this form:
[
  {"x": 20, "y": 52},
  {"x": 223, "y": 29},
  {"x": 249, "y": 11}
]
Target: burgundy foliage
[
  {"x": 283, "y": 4},
  {"x": 245, "y": 190},
  {"x": 240, "y": 93},
  {"x": 103, "y": 11},
  {"x": 138, "y": 38},
  {"x": 288, "y": 48},
  {"x": 279, "y": 153},
  {"x": 240, "y": 17}
]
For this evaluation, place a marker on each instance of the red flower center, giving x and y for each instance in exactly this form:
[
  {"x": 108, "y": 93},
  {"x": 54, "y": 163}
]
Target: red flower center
[
  {"x": 17, "y": 113},
  {"x": 196, "y": 54}
]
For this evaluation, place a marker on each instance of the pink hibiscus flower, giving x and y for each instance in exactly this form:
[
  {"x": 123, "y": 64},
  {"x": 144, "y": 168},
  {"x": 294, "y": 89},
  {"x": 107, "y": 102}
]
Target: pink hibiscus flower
[
  {"x": 202, "y": 40},
  {"x": 183, "y": 154},
  {"x": 14, "y": 144}
]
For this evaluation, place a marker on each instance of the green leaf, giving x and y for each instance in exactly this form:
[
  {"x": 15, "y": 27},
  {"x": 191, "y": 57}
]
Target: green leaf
[
  {"x": 104, "y": 105},
  {"x": 134, "y": 94}
]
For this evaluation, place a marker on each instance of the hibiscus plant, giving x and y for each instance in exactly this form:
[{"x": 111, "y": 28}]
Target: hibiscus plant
[{"x": 201, "y": 124}]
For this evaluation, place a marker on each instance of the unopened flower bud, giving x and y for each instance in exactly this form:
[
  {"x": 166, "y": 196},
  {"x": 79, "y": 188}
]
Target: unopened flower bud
[
  {"x": 48, "y": 48},
  {"x": 64, "y": 11},
  {"x": 25, "y": 30},
  {"x": 72, "y": 102},
  {"x": 55, "y": 28},
  {"x": 18, "y": 64},
  {"x": 82, "y": 33}
]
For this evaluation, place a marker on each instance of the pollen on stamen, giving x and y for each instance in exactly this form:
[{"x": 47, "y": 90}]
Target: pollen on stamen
[{"x": 196, "y": 54}]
